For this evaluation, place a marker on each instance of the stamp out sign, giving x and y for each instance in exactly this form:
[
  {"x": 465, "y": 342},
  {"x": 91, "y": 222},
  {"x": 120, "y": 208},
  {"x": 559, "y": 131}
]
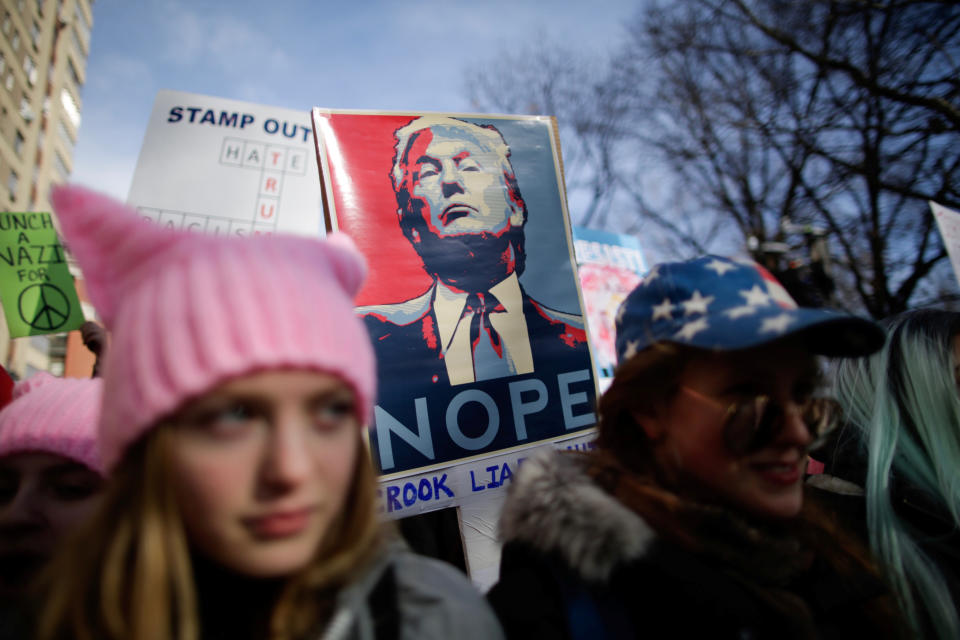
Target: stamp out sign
[{"x": 36, "y": 287}]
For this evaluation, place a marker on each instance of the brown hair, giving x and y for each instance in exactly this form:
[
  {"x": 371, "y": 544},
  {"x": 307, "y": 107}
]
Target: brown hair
[
  {"x": 639, "y": 386},
  {"x": 128, "y": 574}
]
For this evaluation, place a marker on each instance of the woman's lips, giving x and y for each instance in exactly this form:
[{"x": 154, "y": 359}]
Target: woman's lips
[
  {"x": 778, "y": 473},
  {"x": 280, "y": 524}
]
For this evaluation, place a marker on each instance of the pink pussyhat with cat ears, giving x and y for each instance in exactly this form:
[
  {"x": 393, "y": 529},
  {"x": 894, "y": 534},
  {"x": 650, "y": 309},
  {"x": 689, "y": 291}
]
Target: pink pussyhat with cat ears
[
  {"x": 53, "y": 415},
  {"x": 190, "y": 311}
]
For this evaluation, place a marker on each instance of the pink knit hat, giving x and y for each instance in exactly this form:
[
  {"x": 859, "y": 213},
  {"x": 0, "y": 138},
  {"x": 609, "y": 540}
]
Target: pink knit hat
[
  {"x": 54, "y": 415},
  {"x": 190, "y": 311}
]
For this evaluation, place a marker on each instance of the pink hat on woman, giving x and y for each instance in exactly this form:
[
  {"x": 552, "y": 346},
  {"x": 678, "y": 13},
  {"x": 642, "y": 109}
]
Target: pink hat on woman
[
  {"x": 189, "y": 311},
  {"x": 54, "y": 415}
]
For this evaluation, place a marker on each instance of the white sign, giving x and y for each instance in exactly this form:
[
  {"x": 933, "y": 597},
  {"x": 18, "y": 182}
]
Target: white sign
[
  {"x": 948, "y": 222},
  {"x": 224, "y": 166}
]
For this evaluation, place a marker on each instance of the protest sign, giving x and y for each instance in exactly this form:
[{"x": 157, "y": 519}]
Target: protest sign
[
  {"x": 472, "y": 300},
  {"x": 948, "y": 221},
  {"x": 223, "y": 166},
  {"x": 36, "y": 287},
  {"x": 611, "y": 265}
]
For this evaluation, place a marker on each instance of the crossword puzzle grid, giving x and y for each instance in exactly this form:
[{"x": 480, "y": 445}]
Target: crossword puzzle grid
[{"x": 274, "y": 162}]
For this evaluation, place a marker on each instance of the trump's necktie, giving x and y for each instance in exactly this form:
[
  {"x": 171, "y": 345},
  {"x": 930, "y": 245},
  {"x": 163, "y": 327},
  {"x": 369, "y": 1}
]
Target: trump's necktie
[{"x": 489, "y": 359}]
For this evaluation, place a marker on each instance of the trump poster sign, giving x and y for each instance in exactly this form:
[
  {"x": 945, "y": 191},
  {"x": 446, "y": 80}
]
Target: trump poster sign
[{"x": 472, "y": 301}]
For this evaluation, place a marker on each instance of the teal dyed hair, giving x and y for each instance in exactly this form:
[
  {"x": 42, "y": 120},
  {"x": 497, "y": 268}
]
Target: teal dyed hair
[{"x": 904, "y": 405}]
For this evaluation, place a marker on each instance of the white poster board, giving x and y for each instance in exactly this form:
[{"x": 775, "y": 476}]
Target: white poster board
[
  {"x": 948, "y": 221},
  {"x": 224, "y": 166}
]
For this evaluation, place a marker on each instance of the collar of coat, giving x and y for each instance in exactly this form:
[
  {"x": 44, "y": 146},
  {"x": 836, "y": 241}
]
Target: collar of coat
[{"x": 597, "y": 517}]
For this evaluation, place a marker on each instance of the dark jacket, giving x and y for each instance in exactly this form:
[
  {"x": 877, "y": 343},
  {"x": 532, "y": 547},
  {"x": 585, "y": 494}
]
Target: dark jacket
[{"x": 578, "y": 563}]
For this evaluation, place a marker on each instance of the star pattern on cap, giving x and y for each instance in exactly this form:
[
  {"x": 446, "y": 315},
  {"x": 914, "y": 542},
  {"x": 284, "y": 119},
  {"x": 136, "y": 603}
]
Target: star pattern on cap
[
  {"x": 691, "y": 329},
  {"x": 663, "y": 310},
  {"x": 756, "y": 297},
  {"x": 738, "y": 312},
  {"x": 720, "y": 266},
  {"x": 631, "y": 349},
  {"x": 777, "y": 324},
  {"x": 697, "y": 303}
]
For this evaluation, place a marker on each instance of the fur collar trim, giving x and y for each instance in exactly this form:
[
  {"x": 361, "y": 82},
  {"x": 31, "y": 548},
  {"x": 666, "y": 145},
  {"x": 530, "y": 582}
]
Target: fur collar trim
[{"x": 555, "y": 507}]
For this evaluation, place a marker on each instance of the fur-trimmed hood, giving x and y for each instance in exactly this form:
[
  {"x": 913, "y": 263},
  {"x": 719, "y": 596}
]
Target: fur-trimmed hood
[{"x": 555, "y": 507}]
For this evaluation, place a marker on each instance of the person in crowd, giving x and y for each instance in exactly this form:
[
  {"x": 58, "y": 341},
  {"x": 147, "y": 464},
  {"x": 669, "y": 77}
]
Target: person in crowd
[
  {"x": 891, "y": 472},
  {"x": 50, "y": 480},
  {"x": 242, "y": 499},
  {"x": 688, "y": 520}
]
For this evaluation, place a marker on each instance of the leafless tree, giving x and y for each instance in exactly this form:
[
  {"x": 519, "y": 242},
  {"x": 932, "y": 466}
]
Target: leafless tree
[{"x": 785, "y": 124}]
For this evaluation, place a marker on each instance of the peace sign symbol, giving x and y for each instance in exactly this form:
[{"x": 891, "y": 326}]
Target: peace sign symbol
[{"x": 44, "y": 307}]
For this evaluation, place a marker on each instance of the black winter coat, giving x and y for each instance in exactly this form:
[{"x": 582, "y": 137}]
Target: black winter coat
[{"x": 577, "y": 563}]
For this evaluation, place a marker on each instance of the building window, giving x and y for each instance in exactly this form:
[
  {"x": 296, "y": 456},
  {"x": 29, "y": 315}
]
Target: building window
[
  {"x": 81, "y": 22},
  {"x": 12, "y": 181},
  {"x": 60, "y": 166},
  {"x": 70, "y": 107},
  {"x": 77, "y": 82},
  {"x": 18, "y": 143},
  {"x": 65, "y": 136},
  {"x": 30, "y": 68},
  {"x": 25, "y": 111},
  {"x": 77, "y": 43}
]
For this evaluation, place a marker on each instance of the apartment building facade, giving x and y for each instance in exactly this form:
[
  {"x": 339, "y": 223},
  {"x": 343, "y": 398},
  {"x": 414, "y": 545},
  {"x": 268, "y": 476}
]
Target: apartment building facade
[{"x": 43, "y": 56}]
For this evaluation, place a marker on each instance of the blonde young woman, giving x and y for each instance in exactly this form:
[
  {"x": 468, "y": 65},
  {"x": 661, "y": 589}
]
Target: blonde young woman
[{"x": 242, "y": 500}]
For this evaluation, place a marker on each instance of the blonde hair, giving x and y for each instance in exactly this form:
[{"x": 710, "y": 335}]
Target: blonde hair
[{"x": 128, "y": 574}]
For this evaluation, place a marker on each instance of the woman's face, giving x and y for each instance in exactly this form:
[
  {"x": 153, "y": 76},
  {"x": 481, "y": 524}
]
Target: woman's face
[
  {"x": 43, "y": 496},
  {"x": 688, "y": 431},
  {"x": 262, "y": 465}
]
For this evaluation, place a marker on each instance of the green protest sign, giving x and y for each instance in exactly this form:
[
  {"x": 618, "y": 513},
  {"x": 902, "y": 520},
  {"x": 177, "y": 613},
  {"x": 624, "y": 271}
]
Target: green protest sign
[{"x": 36, "y": 287}]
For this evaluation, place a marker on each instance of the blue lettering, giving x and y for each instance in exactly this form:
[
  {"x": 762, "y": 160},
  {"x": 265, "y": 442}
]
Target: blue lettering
[
  {"x": 228, "y": 119},
  {"x": 176, "y": 114},
  {"x": 245, "y": 120},
  {"x": 392, "y": 503},
  {"x": 208, "y": 117},
  {"x": 440, "y": 484},
  {"x": 473, "y": 483},
  {"x": 409, "y": 494},
  {"x": 505, "y": 473},
  {"x": 425, "y": 491},
  {"x": 271, "y": 126},
  {"x": 193, "y": 113},
  {"x": 493, "y": 484},
  {"x": 293, "y": 130}
]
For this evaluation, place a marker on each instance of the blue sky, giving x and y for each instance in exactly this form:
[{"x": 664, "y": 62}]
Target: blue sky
[{"x": 356, "y": 54}]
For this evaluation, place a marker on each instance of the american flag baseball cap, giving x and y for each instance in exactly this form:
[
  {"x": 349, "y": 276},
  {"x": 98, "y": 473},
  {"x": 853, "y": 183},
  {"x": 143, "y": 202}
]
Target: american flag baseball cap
[{"x": 721, "y": 304}]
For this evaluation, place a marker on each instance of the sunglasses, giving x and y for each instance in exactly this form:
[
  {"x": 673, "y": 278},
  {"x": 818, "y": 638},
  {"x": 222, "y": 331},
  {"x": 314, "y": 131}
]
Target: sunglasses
[{"x": 752, "y": 423}]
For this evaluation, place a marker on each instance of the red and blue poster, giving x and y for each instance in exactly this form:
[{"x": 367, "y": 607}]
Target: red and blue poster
[{"x": 472, "y": 301}]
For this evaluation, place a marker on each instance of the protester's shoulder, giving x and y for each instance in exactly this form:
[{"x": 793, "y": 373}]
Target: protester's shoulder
[
  {"x": 398, "y": 313},
  {"x": 438, "y": 601}
]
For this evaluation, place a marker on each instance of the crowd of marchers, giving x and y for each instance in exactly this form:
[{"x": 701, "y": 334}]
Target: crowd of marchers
[{"x": 215, "y": 482}]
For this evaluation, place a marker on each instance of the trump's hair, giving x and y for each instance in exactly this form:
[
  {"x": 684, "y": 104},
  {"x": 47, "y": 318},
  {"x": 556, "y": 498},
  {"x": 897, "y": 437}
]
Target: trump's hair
[{"x": 487, "y": 137}]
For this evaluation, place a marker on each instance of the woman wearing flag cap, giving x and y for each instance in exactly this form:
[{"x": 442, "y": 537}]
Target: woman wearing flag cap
[
  {"x": 688, "y": 519},
  {"x": 241, "y": 503}
]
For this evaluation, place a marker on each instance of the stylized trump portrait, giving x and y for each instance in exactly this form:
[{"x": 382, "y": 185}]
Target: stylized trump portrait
[{"x": 481, "y": 289}]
